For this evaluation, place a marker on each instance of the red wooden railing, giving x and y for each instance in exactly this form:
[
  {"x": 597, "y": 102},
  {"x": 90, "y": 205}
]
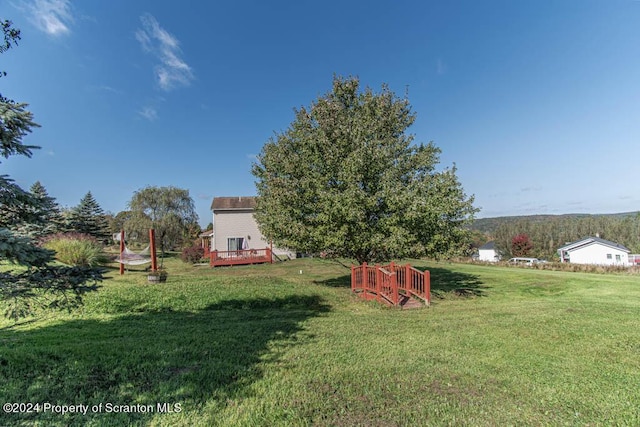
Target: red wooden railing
[
  {"x": 240, "y": 257},
  {"x": 391, "y": 283}
]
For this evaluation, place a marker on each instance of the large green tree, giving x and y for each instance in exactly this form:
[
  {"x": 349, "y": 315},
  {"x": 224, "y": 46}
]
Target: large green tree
[
  {"x": 168, "y": 210},
  {"x": 347, "y": 179},
  {"x": 35, "y": 283}
]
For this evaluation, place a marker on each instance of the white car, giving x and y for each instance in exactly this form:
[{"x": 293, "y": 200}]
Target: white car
[{"x": 524, "y": 261}]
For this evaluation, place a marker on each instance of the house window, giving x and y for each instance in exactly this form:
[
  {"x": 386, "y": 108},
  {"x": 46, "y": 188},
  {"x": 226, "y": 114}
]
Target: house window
[
  {"x": 235, "y": 243},
  {"x": 608, "y": 256},
  {"x": 617, "y": 258}
]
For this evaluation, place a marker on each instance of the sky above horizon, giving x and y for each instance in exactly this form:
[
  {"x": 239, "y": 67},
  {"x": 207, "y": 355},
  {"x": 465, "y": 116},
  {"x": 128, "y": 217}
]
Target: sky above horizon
[{"x": 536, "y": 102}]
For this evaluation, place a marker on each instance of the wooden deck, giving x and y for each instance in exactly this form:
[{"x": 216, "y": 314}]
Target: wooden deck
[{"x": 240, "y": 257}]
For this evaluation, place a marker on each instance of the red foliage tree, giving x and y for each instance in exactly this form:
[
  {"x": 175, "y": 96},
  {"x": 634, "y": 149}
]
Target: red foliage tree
[{"x": 521, "y": 245}]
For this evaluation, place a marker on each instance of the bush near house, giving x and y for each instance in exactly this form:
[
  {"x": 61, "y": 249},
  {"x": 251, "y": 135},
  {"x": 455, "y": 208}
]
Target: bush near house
[{"x": 192, "y": 254}]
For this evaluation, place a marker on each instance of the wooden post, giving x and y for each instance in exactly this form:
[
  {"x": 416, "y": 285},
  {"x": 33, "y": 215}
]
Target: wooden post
[
  {"x": 121, "y": 251},
  {"x": 394, "y": 287},
  {"x": 427, "y": 286},
  {"x": 394, "y": 283},
  {"x": 353, "y": 279},
  {"x": 152, "y": 244},
  {"x": 378, "y": 282},
  {"x": 271, "y": 252},
  {"x": 365, "y": 278}
]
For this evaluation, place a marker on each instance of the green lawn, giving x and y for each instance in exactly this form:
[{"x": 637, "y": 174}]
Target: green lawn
[{"x": 288, "y": 344}]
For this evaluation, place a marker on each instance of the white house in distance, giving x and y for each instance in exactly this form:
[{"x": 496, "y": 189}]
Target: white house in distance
[
  {"x": 594, "y": 250},
  {"x": 235, "y": 228},
  {"x": 488, "y": 252}
]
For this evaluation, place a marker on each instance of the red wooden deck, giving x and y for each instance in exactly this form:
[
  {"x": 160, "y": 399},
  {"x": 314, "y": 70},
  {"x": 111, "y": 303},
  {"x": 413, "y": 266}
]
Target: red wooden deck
[
  {"x": 391, "y": 284},
  {"x": 240, "y": 257}
]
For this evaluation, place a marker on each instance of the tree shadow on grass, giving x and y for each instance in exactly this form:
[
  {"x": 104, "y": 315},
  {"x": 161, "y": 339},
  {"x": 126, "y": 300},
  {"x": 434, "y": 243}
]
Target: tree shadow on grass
[
  {"x": 446, "y": 283},
  {"x": 197, "y": 359},
  {"x": 336, "y": 282}
]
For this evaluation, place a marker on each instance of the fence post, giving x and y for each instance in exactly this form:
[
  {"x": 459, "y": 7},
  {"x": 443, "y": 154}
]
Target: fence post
[
  {"x": 394, "y": 286},
  {"x": 407, "y": 280},
  {"x": 353, "y": 278},
  {"x": 427, "y": 286},
  {"x": 213, "y": 255},
  {"x": 152, "y": 244},
  {"x": 121, "y": 251},
  {"x": 365, "y": 278},
  {"x": 378, "y": 284}
]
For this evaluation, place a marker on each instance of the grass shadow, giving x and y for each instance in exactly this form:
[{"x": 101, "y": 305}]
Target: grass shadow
[
  {"x": 446, "y": 283},
  {"x": 204, "y": 358},
  {"x": 336, "y": 282}
]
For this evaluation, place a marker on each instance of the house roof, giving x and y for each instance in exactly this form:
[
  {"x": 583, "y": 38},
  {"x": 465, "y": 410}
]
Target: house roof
[
  {"x": 233, "y": 203},
  {"x": 591, "y": 240},
  {"x": 489, "y": 245},
  {"x": 206, "y": 233}
]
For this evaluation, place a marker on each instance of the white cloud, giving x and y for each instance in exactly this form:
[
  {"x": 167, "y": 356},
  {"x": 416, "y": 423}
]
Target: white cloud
[
  {"x": 149, "y": 113},
  {"x": 172, "y": 71},
  {"x": 106, "y": 88},
  {"x": 51, "y": 16},
  {"x": 441, "y": 67}
]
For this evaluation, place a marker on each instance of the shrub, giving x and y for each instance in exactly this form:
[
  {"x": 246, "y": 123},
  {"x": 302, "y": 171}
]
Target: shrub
[
  {"x": 75, "y": 249},
  {"x": 192, "y": 254}
]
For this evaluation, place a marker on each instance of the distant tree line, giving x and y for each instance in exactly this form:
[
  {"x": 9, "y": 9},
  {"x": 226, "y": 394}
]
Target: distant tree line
[{"x": 548, "y": 235}]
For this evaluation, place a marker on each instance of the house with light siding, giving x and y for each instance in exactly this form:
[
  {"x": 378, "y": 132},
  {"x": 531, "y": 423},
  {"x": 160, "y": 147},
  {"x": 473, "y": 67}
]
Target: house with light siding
[
  {"x": 235, "y": 228},
  {"x": 596, "y": 251},
  {"x": 488, "y": 252}
]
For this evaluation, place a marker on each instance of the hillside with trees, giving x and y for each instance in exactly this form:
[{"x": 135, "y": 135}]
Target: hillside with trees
[{"x": 546, "y": 233}]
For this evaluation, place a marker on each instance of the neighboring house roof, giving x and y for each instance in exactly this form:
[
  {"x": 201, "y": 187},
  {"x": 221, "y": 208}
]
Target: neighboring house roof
[
  {"x": 489, "y": 245},
  {"x": 589, "y": 241},
  {"x": 206, "y": 233},
  {"x": 233, "y": 203}
]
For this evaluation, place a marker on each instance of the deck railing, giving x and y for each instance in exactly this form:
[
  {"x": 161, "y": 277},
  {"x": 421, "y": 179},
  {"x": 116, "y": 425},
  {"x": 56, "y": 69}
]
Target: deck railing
[
  {"x": 240, "y": 257},
  {"x": 391, "y": 283}
]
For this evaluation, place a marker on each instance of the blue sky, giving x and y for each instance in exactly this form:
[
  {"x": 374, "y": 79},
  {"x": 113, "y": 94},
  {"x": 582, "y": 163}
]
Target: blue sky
[{"x": 536, "y": 102}]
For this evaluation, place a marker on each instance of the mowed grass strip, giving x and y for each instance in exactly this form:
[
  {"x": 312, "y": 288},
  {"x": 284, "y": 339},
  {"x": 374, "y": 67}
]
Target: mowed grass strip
[{"x": 288, "y": 344}]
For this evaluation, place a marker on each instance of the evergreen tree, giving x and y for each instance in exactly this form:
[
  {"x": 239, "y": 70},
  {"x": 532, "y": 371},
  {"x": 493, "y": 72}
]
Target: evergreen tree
[
  {"x": 89, "y": 218},
  {"x": 35, "y": 283},
  {"x": 44, "y": 214},
  {"x": 14, "y": 203}
]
